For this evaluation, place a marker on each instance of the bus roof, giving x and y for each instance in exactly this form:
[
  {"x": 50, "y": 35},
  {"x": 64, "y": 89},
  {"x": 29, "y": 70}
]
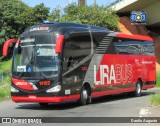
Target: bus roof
[
  {"x": 55, "y": 25},
  {"x": 63, "y": 27},
  {"x": 132, "y": 36}
]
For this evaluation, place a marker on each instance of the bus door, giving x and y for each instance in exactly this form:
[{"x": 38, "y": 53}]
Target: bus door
[{"x": 76, "y": 53}]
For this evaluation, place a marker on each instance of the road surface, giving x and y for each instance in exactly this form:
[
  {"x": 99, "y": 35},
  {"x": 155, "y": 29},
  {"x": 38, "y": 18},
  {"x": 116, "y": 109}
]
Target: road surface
[{"x": 109, "y": 106}]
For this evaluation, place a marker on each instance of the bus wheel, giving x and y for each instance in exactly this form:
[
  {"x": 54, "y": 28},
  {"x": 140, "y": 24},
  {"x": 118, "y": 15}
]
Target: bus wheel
[
  {"x": 43, "y": 104},
  {"x": 137, "y": 93},
  {"x": 84, "y": 96}
]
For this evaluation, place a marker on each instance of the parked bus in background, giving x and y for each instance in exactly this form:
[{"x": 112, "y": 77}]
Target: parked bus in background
[{"x": 59, "y": 62}]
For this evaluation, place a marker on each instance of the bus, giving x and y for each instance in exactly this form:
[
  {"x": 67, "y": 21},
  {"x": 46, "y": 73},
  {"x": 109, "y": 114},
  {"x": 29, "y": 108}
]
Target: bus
[{"x": 62, "y": 62}]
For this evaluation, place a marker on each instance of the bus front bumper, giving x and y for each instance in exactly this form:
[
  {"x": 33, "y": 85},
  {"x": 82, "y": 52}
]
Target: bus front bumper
[{"x": 54, "y": 99}]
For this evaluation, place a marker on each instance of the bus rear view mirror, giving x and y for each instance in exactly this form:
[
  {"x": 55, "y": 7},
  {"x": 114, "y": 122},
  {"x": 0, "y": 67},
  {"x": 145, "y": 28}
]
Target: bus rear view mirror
[
  {"x": 59, "y": 44},
  {"x": 6, "y": 46}
]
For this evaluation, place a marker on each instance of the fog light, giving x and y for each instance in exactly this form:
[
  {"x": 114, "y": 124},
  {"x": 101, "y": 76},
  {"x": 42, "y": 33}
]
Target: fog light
[
  {"x": 14, "y": 89},
  {"x": 57, "y": 88}
]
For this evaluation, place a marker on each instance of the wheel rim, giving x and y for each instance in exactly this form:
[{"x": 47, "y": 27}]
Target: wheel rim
[
  {"x": 138, "y": 88},
  {"x": 85, "y": 94}
]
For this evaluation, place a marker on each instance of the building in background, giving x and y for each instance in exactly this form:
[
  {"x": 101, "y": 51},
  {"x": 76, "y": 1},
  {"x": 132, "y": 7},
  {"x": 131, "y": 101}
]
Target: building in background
[
  {"x": 150, "y": 7},
  {"x": 124, "y": 8}
]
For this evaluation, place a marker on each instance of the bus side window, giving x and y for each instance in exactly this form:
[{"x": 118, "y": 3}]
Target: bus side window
[
  {"x": 135, "y": 47},
  {"x": 70, "y": 61},
  {"x": 65, "y": 64},
  {"x": 148, "y": 48},
  {"x": 111, "y": 49},
  {"x": 120, "y": 46},
  {"x": 75, "y": 50}
]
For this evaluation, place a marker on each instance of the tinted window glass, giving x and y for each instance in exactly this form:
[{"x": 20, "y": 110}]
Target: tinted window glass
[
  {"x": 111, "y": 49},
  {"x": 135, "y": 47},
  {"x": 35, "y": 57},
  {"x": 75, "y": 50}
]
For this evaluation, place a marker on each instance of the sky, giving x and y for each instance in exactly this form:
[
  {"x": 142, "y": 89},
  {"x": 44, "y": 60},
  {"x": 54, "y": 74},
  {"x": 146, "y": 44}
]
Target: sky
[{"x": 62, "y": 3}]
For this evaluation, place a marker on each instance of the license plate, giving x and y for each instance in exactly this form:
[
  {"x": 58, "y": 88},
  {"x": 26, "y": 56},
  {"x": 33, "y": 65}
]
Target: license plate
[{"x": 32, "y": 96}]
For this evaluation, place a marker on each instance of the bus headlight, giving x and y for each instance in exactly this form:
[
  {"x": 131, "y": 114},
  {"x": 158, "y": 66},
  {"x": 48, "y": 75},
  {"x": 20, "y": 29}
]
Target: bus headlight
[
  {"x": 14, "y": 89},
  {"x": 57, "y": 88}
]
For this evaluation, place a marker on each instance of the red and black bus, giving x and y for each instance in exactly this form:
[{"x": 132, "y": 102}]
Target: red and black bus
[{"x": 59, "y": 62}]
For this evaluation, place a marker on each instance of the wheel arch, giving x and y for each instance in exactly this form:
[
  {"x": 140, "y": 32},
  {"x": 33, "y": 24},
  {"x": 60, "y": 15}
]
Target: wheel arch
[
  {"x": 140, "y": 79},
  {"x": 87, "y": 85}
]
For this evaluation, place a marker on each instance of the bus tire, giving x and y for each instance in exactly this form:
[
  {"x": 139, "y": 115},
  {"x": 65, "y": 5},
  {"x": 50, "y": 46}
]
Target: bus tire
[
  {"x": 43, "y": 104},
  {"x": 85, "y": 98},
  {"x": 138, "y": 90}
]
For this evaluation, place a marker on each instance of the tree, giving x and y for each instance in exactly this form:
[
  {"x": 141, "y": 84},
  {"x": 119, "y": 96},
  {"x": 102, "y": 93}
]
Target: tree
[
  {"x": 40, "y": 13},
  {"x": 55, "y": 15},
  {"x": 16, "y": 16},
  {"x": 93, "y": 15}
]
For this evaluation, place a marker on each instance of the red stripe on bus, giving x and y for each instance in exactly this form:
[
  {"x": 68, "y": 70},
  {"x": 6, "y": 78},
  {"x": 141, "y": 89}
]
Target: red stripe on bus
[
  {"x": 110, "y": 92},
  {"x": 56, "y": 99},
  {"x": 148, "y": 86},
  {"x": 131, "y": 36}
]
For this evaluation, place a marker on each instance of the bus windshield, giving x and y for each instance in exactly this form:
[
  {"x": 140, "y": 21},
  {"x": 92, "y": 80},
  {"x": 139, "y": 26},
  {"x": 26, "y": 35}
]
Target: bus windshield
[{"x": 35, "y": 57}]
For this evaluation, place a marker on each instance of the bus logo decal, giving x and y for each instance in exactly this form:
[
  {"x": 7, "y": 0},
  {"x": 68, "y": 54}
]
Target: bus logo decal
[
  {"x": 119, "y": 73},
  {"x": 39, "y": 29}
]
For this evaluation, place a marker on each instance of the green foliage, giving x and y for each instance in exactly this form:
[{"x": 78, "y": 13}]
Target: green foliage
[
  {"x": 40, "y": 13},
  {"x": 155, "y": 99},
  {"x": 93, "y": 15},
  {"x": 16, "y": 16},
  {"x": 55, "y": 15},
  {"x": 5, "y": 65},
  {"x": 5, "y": 68},
  {"x": 11, "y": 11},
  {"x": 5, "y": 92},
  {"x": 158, "y": 80}
]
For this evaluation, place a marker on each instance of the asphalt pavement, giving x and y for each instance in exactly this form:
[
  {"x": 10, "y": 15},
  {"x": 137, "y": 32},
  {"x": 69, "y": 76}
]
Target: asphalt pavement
[{"x": 122, "y": 105}]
